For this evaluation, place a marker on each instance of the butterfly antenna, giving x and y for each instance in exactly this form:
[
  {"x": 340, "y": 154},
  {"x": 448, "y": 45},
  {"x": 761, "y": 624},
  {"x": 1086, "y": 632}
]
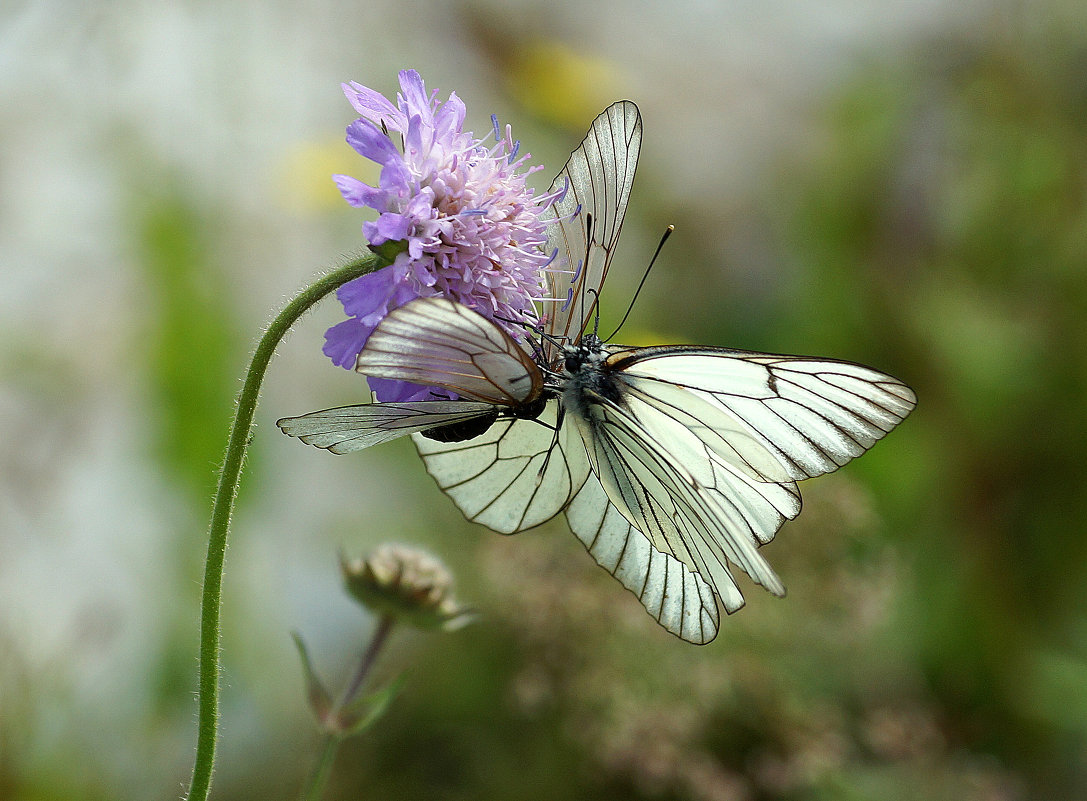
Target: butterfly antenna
[
  {"x": 511, "y": 321},
  {"x": 664, "y": 238},
  {"x": 589, "y": 222},
  {"x": 596, "y": 310},
  {"x": 532, "y": 332}
]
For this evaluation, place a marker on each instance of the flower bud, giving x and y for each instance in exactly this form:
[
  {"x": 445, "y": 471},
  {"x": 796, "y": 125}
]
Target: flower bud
[{"x": 407, "y": 584}]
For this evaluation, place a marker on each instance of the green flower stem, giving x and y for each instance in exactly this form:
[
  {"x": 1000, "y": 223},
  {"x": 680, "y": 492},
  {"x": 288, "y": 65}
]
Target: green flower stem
[
  {"x": 381, "y": 634},
  {"x": 223, "y": 506},
  {"x": 318, "y": 777},
  {"x": 315, "y": 787}
]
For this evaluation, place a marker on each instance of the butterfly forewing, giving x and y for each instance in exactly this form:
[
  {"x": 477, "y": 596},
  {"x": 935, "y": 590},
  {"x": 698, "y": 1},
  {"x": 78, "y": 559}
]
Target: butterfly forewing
[
  {"x": 438, "y": 343},
  {"x": 730, "y": 439},
  {"x": 814, "y": 415},
  {"x": 597, "y": 179},
  {"x": 352, "y": 428}
]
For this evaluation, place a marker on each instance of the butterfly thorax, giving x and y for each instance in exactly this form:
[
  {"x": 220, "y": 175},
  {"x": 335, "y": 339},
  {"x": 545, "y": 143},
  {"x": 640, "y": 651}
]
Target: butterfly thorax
[{"x": 586, "y": 377}]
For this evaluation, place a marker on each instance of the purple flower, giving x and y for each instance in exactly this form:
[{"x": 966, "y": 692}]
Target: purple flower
[{"x": 470, "y": 229}]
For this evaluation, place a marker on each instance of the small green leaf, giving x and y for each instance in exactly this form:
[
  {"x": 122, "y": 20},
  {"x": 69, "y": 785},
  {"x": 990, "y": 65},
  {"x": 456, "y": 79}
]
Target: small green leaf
[
  {"x": 318, "y": 697},
  {"x": 388, "y": 251},
  {"x": 366, "y": 711}
]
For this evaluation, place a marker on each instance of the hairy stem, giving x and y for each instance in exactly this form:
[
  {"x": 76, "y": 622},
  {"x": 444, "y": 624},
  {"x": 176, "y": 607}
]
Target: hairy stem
[{"x": 223, "y": 506}]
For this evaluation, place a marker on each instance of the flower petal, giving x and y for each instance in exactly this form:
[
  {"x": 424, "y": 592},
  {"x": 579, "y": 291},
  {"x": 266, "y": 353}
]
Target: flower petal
[
  {"x": 414, "y": 146},
  {"x": 368, "y": 296},
  {"x": 343, "y": 342},
  {"x": 449, "y": 118},
  {"x": 396, "y": 179},
  {"x": 372, "y": 105},
  {"x": 415, "y": 96},
  {"x": 392, "y": 227},
  {"x": 370, "y": 141},
  {"x": 389, "y": 391},
  {"x": 356, "y": 193}
]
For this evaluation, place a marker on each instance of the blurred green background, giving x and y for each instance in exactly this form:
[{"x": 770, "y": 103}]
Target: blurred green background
[{"x": 901, "y": 184}]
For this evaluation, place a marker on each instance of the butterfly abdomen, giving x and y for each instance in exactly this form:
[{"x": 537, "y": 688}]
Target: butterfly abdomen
[
  {"x": 463, "y": 431},
  {"x": 532, "y": 409}
]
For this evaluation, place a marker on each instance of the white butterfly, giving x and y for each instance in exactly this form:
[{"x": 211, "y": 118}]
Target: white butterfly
[{"x": 671, "y": 463}]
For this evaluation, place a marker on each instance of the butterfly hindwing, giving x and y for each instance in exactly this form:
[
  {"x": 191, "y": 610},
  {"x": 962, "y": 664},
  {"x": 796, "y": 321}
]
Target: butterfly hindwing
[
  {"x": 670, "y": 487},
  {"x": 674, "y": 595},
  {"x": 495, "y": 479},
  {"x": 438, "y": 343}
]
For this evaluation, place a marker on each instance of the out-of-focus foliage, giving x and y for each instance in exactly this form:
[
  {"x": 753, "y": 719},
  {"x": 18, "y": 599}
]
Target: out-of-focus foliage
[
  {"x": 953, "y": 199},
  {"x": 191, "y": 343}
]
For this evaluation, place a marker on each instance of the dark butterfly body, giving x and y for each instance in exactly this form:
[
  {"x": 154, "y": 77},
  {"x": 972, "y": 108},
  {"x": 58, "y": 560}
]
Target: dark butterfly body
[{"x": 463, "y": 431}]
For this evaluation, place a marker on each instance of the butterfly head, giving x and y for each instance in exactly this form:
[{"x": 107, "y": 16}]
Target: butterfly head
[
  {"x": 586, "y": 375},
  {"x": 587, "y": 354}
]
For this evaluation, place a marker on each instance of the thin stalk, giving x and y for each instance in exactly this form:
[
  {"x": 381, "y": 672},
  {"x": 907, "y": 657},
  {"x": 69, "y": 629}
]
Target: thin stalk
[
  {"x": 315, "y": 785},
  {"x": 381, "y": 634},
  {"x": 223, "y": 506}
]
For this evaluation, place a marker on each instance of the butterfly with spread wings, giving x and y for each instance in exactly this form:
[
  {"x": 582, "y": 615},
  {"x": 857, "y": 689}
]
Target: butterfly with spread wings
[{"x": 673, "y": 465}]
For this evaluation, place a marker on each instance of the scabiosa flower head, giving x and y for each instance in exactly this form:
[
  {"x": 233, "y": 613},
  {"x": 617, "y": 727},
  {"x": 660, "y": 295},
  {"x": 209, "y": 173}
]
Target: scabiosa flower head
[{"x": 456, "y": 212}]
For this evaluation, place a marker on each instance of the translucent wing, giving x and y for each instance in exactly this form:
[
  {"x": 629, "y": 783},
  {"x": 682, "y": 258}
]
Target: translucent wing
[
  {"x": 597, "y": 178},
  {"x": 496, "y": 478},
  {"x": 352, "y": 428},
  {"x": 438, "y": 343},
  {"x": 677, "y": 597},
  {"x": 703, "y": 450},
  {"x": 686, "y": 500},
  {"x": 810, "y": 416}
]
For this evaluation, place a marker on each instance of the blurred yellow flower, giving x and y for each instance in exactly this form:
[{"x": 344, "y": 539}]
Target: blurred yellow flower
[
  {"x": 305, "y": 182},
  {"x": 560, "y": 84}
]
